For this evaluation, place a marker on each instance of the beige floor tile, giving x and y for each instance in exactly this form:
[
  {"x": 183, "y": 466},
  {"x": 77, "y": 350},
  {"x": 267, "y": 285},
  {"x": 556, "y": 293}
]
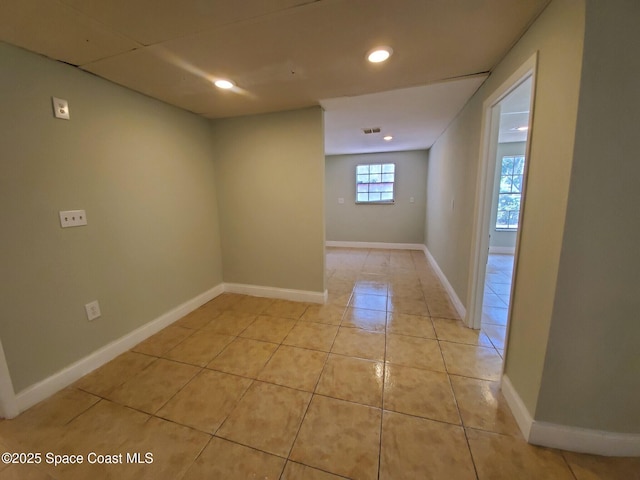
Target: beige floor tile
[
  {"x": 56, "y": 411},
  {"x": 471, "y": 361},
  {"x": 499, "y": 457},
  {"x": 102, "y": 428},
  {"x": 410, "y": 306},
  {"x": 267, "y": 418},
  {"x": 355, "y": 342},
  {"x": 269, "y": 329},
  {"x": 163, "y": 341},
  {"x": 24, "y": 472},
  {"x": 442, "y": 307},
  {"x": 230, "y": 323},
  {"x": 482, "y": 405},
  {"x": 368, "y": 302},
  {"x": 406, "y": 291},
  {"x": 114, "y": 373},
  {"x": 154, "y": 386},
  {"x": 594, "y": 467},
  {"x": 286, "y": 309},
  {"x": 412, "y": 325},
  {"x": 198, "y": 318},
  {"x": 415, "y": 448},
  {"x": 340, "y": 437},
  {"x": 244, "y": 357},
  {"x": 328, "y": 313},
  {"x": 457, "y": 332},
  {"x": 353, "y": 379},
  {"x": 340, "y": 299},
  {"x": 252, "y": 305},
  {"x": 297, "y": 471},
  {"x": 225, "y": 301},
  {"x": 206, "y": 401},
  {"x": 419, "y": 392},
  {"x": 224, "y": 460},
  {"x": 315, "y": 336},
  {"x": 294, "y": 367},
  {"x": 371, "y": 285},
  {"x": 414, "y": 352},
  {"x": 200, "y": 348},
  {"x": 496, "y": 334},
  {"x": 372, "y": 320},
  {"x": 173, "y": 450}
]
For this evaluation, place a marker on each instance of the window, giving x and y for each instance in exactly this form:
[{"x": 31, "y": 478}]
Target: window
[
  {"x": 375, "y": 183},
  {"x": 510, "y": 192}
]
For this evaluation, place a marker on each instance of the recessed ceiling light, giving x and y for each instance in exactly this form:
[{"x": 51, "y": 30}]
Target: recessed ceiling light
[
  {"x": 379, "y": 54},
  {"x": 224, "y": 84},
  {"x": 388, "y": 138}
]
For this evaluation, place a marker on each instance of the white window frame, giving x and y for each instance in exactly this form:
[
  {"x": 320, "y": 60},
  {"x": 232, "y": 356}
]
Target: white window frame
[{"x": 364, "y": 188}]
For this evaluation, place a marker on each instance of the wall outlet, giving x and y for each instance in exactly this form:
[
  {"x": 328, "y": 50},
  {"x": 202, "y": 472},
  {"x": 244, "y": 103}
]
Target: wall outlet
[
  {"x": 93, "y": 310},
  {"x": 60, "y": 108},
  {"x": 73, "y": 218}
]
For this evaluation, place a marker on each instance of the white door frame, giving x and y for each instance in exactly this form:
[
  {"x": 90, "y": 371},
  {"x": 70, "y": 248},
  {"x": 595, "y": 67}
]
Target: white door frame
[
  {"x": 8, "y": 403},
  {"x": 485, "y": 185}
]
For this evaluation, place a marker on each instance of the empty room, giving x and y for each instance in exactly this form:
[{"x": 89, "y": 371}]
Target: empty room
[{"x": 327, "y": 239}]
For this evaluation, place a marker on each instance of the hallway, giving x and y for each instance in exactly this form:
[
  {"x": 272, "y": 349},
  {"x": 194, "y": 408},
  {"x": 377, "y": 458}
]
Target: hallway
[{"x": 382, "y": 382}]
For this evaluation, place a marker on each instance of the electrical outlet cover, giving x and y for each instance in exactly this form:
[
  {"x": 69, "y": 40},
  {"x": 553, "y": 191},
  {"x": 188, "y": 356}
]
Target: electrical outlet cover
[
  {"x": 93, "y": 310},
  {"x": 60, "y": 108}
]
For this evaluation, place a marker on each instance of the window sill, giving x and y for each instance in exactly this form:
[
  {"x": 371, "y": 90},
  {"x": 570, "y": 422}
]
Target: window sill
[{"x": 376, "y": 203}]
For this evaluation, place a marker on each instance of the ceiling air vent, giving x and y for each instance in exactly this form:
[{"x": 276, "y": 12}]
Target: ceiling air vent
[{"x": 368, "y": 131}]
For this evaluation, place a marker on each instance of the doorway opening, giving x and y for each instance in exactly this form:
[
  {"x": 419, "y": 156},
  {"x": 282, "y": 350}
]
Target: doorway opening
[{"x": 500, "y": 204}]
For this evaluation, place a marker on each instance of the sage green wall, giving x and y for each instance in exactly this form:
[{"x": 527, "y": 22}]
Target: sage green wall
[
  {"x": 592, "y": 370},
  {"x": 502, "y": 238},
  {"x": 402, "y": 222},
  {"x": 142, "y": 170},
  {"x": 557, "y": 36},
  {"x": 270, "y": 184}
]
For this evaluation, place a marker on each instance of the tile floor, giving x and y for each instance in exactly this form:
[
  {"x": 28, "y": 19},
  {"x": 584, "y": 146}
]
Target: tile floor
[
  {"x": 382, "y": 382},
  {"x": 495, "y": 304}
]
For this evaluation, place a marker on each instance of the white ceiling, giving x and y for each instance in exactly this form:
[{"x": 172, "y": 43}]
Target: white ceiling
[{"x": 282, "y": 54}]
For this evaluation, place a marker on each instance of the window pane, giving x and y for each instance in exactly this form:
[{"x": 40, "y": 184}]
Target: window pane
[
  {"x": 507, "y": 165},
  {"x": 377, "y": 187},
  {"x": 362, "y": 169},
  {"x": 517, "y": 183},
  {"x": 374, "y": 197},
  {"x": 375, "y": 178},
  {"x": 503, "y": 219},
  {"x": 363, "y": 197},
  {"x": 505, "y": 184},
  {"x": 363, "y": 187},
  {"x": 363, "y": 178},
  {"x": 509, "y": 202},
  {"x": 386, "y": 187},
  {"x": 518, "y": 166},
  {"x": 375, "y": 168},
  {"x": 387, "y": 177},
  {"x": 513, "y": 219},
  {"x": 388, "y": 168},
  {"x": 387, "y": 196}
]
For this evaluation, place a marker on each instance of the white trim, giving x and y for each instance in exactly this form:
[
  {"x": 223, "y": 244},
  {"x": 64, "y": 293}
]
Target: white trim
[
  {"x": 56, "y": 382},
  {"x": 503, "y": 250},
  {"x": 485, "y": 183},
  {"x": 574, "y": 439},
  {"x": 517, "y": 406},
  {"x": 273, "y": 292},
  {"x": 8, "y": 405},
  {"x": 445, "y": 282},
  {"x": 583, "y": 440},
  {"x": 377, "y": 245}
]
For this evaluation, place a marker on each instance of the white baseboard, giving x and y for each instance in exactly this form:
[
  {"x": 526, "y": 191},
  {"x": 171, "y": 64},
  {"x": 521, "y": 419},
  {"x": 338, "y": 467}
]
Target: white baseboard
[
  {"x": 56, "y": 382},
  {"x": 517, "y": 406},
  {"x": 575, "y": 439},
  {"x": 273, "y": 292},
  {"x": 377, "y": 245},
  {"x": 458, "y": 305},
  {"x": 503, "y": 250}
]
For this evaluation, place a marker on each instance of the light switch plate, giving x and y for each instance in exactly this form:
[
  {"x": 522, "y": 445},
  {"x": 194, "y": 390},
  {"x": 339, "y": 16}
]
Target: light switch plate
[
  {"x": 60, "y": 108},
  {"x": 93, "y": 310},
  {"x": 73, "y": 218}
]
